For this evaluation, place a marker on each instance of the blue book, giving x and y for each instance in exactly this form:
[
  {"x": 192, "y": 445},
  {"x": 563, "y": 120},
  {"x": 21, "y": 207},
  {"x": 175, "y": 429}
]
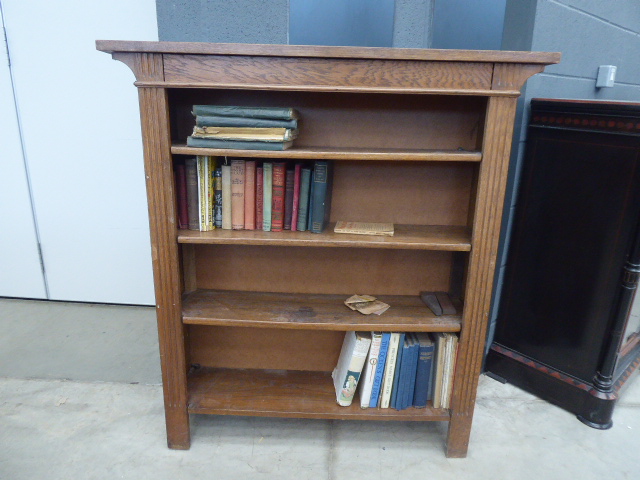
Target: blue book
[
  {"x": 377, "y": 380},
  {"x": 406, "y": 357},
  {"x": 424, "y": 370},
  {"x": 396, "y": 373},
  {"x": 320, "y": 209},
  {"x": 411, "y": 374}
]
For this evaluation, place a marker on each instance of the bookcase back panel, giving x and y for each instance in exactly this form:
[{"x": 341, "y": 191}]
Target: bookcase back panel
[
  {"x": 353, "y": 120},
  {"x": 238, "y": 347},
  {"x": 342, "y": 271},
  {"x": 402, "y": 192}
]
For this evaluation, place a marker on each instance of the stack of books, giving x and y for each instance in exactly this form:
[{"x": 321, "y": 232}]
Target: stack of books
[
  {"x": 243, "y": 128},
  {"x": 249, "y": 195},
  {"x": 396, "y": 370}
]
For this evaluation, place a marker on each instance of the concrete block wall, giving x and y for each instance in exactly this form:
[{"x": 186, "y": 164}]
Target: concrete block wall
[{"x": 589, "y": 33}]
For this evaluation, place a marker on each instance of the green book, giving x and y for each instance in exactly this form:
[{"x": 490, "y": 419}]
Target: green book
[
  {"x": 320, "y": 205},
  {"x": 236, "y": 144},
  {"x": 267, "y": 186},
  {"x": 303, "y": 208},
  {"x": 221, "y": 121},
  {"x": 276, "y": 113}
]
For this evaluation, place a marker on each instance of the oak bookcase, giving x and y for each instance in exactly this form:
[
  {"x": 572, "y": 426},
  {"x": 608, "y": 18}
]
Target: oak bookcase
[{"x": 251, "y": 322}]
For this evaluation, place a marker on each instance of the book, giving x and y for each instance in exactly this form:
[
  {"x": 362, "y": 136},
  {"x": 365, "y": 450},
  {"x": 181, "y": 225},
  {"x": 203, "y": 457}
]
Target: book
[
  {"x": 191, "y": 170},
  {"x": 445, "y": 357},
  {"x": 211, "y": 169},
  {"x": 364, "y": 228},
  {"x": 248, "y": 134},
  {"x": 369, "y": 373},
  {"x": 267, "y": 190},
  {"x": 277, "y": 197},
  {"x": 250, "y": 195},
  {"x": 296, "y": 196},
  {"x": 303, "y": 204},
  {"x": 237, "y": 194},
  {"x": 181, "y": 196},
  {"x": 259, "y": 197},
  {"x": 288, "y": 198},
  {"x": 236, "y": 144},
  {"x": 352, "y": 358},
  {"x": 283, "y": 113},
  {"x": 452, "y": 354},
  {"x": 222, "y": 121},
  {"x": 421, "y": 394},
  {"x": 380, "y": 366},
  {"x": 389, "y": 370},
  {"x": 396, "y": 375},
  {"x": 217, "y": 193},
  {"x": 204, "y": 197},
  {"x": 226, "y": 197},
  {"x": 310, "y": 207},
  {"x": 411, "y": 373},
  {"x": 322, "y": 182}
]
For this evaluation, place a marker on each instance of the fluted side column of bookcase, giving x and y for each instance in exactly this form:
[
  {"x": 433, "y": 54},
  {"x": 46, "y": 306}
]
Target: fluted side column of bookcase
[{"x": 263, "y": 344}]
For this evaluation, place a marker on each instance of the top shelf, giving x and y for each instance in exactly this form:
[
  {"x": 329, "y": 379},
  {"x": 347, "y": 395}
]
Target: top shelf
[{"x": 327, "y": 153}]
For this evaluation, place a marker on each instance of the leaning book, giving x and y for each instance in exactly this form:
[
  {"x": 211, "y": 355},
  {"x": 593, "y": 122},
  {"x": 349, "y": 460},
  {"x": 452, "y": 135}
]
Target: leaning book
[{"x": 352, "y": 358}]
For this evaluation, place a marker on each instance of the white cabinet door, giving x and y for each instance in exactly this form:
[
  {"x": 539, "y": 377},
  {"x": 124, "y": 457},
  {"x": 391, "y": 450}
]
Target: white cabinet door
[{"x": 81, "y": 132}]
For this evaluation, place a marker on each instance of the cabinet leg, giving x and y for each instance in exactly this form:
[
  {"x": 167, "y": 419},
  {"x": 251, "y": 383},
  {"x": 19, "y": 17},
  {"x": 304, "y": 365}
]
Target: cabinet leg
[
  {"x": 458, "y": 436},
  {"x": 178, "y": 434}
]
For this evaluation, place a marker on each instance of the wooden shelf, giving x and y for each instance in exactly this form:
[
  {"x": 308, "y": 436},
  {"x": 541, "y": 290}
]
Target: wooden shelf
[
  {"x": 284, "y": 393},
  {"x": 326, "y": 153},
  {"x": 312, "y": 312},
  {"x": 408, "y": 237}
]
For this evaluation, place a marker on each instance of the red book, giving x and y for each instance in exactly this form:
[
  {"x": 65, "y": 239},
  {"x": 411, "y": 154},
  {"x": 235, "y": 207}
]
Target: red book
[
  {"x": 181, "y": 189},
  {"x": 288, "y": 199},
  {"x": 259, "y": 197},
  {"x": 277, "y": 197},
  {"x": 296, "y": 197},
  {"x": 250, "y": 195}
]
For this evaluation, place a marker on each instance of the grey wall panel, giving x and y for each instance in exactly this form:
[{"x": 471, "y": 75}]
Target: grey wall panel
[
  {"x": 468, "y": 24},
  {"x": 624, "y": 13},
  {"x": 412, "y": 25}
]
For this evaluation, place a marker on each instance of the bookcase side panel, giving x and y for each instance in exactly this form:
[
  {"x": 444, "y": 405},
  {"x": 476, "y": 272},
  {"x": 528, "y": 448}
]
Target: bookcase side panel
[
  {"x": 486, "y": 228},
  {"x": 165, "y": 256}
]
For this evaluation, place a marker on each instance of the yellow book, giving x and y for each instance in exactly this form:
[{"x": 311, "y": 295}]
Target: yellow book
[
  {"x": 246, "y": 133},
  {"x": 364, "y": 228}
]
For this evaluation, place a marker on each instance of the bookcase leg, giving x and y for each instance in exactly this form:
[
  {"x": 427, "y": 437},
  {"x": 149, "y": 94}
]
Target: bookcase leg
[
  {"x": 458, "y": 436},
  {"x": 178, "y": 434}
]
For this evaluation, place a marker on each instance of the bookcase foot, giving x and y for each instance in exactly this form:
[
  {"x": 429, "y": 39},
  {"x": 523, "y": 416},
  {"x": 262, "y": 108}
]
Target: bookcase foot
[
  {"x": 458, "y": 436},
  {"x": 178, "y": 434}
]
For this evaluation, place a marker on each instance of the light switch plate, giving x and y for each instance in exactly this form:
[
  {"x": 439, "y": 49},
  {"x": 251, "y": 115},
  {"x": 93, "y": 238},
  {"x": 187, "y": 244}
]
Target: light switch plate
[{"x": 606, "y": 76}]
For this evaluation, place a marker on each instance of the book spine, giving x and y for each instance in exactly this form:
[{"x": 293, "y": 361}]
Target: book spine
[
  {"x": 311, "y": 197},
  {"x": 191, "y": 169},
  {"x": 277, "y": 199},
  {"x": 396, "y": 375},
  {"x": 250, "y": 195},
  {"x": 281, "y": 113},
  {"x": 303, "y": 207},
  {"x": 415, "y": 352},
  {"x": 370, "y": 370},
  {"x": 288, "y": 199},
  {"x": 259, "y": 197},
  {"x": 321, "y": 196},
  {"x": 237, "y": 194},
  {"x": 217, "y": 212},
  {"x": 266, "y": 196},
  {"x": 226, "y": 197},
  {"x": 347, "y": 373},
  {"x": 380, "y": 366},
  {"x": 453, "y": 357},
  {"x": 423, "y": 376},
  {"x": 439, "y": 368},
  {"x": 181, "y": 196},
  {"x": 211, "y": 200},
  {"x": 389, "y": 370},
  {"x": 296, "y": 197},
  {"x": 221, "y": 121},
  {"x": 202, "y": 193}
]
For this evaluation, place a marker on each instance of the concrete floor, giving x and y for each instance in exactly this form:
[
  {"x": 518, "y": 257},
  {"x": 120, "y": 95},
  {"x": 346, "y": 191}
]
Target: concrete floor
[{"x": 85, "y": 428}]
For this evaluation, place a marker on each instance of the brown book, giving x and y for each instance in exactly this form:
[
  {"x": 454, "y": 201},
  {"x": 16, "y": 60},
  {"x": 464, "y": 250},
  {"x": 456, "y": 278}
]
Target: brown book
[
  {"x": 259, "y": 197},
  {"x": 237, "y": 194},
  {"x": 250, "y": 195},
  {"x": 193, "y": 210},
  {"x": 288, "y": 199},
  {"x": 277, "y": 197}
]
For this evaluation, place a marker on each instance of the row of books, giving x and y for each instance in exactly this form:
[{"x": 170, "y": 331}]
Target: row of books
[
  {"x": 243, "y": 128},
  {"x": 396, "y": 370},
  {"x": 250, "y": 195}
]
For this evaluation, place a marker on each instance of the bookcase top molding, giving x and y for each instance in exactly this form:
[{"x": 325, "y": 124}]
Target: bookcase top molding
[{"x": 323, "y": 68}]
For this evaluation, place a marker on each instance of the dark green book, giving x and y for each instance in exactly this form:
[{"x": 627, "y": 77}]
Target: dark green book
[
  {"x": 275, "y": 113},
  {"x": 221, "y": 121},
  {"x": 320, "y": 208},
  {"x": 236, "y": 144},
  {"x": 303, "y": 208}
]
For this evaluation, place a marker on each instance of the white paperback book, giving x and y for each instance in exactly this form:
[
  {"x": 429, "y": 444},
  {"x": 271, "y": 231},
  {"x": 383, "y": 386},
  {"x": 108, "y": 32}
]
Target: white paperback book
[{"x": 352, "y": 358}]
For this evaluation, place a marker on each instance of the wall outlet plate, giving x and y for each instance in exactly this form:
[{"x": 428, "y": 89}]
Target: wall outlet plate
[{"x": 606, "y": 76}]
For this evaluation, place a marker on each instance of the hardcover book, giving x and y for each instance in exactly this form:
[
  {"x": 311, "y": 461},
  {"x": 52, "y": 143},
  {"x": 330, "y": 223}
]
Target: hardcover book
[
  {"x": 226, "y": 197},
  {"x": 303, "y": 206},
  {"x": 221, "y": 121},
  {"x": 181, "y": 195},
  {"x": 282, "y": 113},
  {"x": 259, "y": 197},
  {"x": 250, "y": 195},
  {"x": 411, "y": 373},
  {"x": 369, "y": 372},
  {"x": 422, "y": 389},
  {"x": 246, "y": 133},
  {"x": 310, "y": 207},
  {"x": 288, "y": 199},
  {"x": 237, "y": 194},
  {"x": 277, "y": 197},
  {"x": 296, "y": 197},
  {"x": 267, "y": 190},
  {"x": 396, "y": 376},
  {"x": 321, "y": 198},
  {"x": 389, "y": 370},
  {"x": 217, "y": 192},
  {"x": 211, "y": 198},
  {"x": 191, "y": 168},
  {"x": 236, "y": 144},
  {"x": 380, "y": 366},
  {"x": 364, "y": 228},
  {"x": 352, "y": 358}
]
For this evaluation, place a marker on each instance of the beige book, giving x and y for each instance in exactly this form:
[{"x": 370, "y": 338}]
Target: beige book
[
  {"x": 246, "y": 133},
  {"x": 364, "y": 228}
]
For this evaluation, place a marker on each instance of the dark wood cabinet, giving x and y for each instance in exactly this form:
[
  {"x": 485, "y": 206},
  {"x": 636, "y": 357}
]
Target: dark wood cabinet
[{"x": 566, "y": 330}]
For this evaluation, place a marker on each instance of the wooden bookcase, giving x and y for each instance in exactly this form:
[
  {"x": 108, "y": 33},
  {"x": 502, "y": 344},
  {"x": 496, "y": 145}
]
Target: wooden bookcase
[{"x": 251, "y": 322}]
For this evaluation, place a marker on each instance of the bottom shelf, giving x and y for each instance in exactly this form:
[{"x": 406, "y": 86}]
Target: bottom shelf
[{"x": 285, "y": 393}]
